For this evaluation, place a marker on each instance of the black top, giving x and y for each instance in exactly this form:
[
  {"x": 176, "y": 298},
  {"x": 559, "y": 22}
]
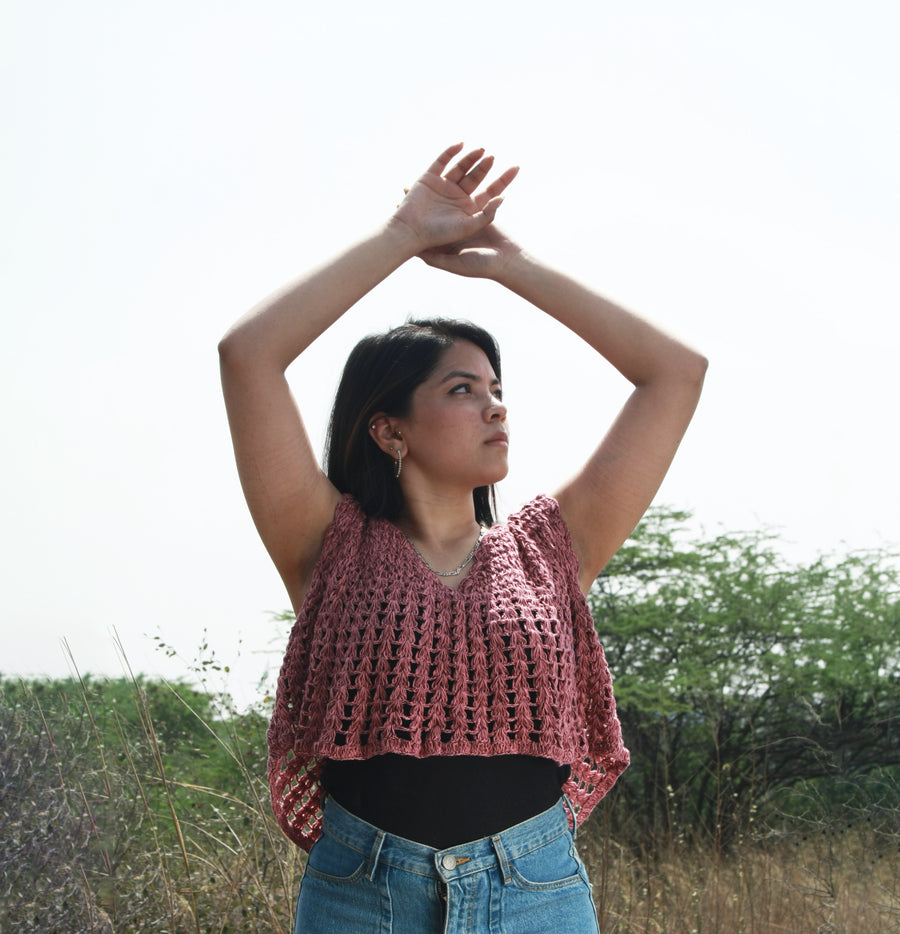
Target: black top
[{"x": 443, "y": 801}]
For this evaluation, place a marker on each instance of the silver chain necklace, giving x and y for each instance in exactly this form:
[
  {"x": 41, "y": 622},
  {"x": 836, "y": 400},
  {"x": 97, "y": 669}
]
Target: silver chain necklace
[{"x": 457, "y": 570}]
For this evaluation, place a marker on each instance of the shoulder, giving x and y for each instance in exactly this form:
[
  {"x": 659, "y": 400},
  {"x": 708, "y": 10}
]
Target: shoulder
[
  {"x": 539, "y": 526},
  {"x": 540, "y": 518},
  {"x": 349, "y": 525},
  {"x": 339, "y": 547},
  {"x": 356, "y": 540},
  {"x": 348, "y": 514}
]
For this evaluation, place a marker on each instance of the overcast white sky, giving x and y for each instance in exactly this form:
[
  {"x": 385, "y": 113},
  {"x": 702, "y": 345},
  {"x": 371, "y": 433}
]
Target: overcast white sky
[{"x": 731, "y": 171}]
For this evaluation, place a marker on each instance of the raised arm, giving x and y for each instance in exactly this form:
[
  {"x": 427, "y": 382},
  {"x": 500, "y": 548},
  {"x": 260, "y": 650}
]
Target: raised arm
[
  {"x": 290, "y": 498},
  {"x": 604, "y": 501}
]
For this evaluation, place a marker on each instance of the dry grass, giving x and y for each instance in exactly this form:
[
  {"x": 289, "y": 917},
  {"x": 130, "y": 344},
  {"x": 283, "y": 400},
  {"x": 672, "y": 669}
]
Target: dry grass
[
  {"x": 101, "y": 839},
  {"x": 830, "y": 879}
]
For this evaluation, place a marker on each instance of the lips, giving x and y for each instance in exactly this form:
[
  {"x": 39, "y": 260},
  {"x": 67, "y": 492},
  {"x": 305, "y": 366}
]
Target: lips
[{"x": 501, "y": 437}]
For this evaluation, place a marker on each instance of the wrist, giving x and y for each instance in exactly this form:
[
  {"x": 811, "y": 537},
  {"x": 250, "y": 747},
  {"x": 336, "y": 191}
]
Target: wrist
[
  {"x": 404, "y": 237},
  {"x": 516, "y": 270}
]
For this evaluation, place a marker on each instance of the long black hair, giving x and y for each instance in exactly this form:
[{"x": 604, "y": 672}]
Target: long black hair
[{"x": 381, "y": 374}]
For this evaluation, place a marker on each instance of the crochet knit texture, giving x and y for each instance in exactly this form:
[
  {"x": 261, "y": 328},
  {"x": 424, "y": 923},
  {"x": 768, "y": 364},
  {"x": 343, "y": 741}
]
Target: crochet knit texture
[{"x": 385, "y": 658}]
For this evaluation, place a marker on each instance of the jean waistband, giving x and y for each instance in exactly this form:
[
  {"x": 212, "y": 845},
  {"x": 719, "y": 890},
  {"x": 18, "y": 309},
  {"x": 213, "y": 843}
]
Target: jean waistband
[{"x": 381, "y": 848}]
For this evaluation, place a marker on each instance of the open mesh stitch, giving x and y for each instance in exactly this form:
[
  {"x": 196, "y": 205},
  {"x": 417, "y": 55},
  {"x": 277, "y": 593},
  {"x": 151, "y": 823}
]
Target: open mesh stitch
[{"x": 385, "y": 658}]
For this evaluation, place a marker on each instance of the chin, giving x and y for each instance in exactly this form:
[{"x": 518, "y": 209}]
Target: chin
[{"x": 498, "y": 476}]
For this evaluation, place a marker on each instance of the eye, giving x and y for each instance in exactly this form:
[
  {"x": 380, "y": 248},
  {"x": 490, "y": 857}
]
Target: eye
[
  {"x": 461, "y": 388},
  {"x": 498, "y": 393}
]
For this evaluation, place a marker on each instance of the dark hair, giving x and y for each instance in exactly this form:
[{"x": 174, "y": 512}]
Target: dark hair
[{"x": 381, "y": 374}]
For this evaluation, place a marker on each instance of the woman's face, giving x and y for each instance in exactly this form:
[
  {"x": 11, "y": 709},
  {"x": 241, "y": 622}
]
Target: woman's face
[{"x": 456, "y": 432}]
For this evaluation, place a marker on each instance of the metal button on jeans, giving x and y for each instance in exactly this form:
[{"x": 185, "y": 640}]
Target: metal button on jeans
[{"x": 448, "y": 861}]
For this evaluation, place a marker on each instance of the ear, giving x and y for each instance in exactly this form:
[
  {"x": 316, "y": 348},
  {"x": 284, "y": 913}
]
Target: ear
[{"x": 385, "y": 432}]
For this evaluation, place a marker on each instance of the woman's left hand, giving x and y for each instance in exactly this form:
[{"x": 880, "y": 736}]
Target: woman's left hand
[{"x": 485, "y": 255}]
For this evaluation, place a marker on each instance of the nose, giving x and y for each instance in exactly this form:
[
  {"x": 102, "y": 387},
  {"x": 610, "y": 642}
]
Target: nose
[{"x": 496, "y": 411}]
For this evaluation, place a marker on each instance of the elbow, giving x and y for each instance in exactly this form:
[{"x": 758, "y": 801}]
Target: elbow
[
  {"x": 235, "y": 350},
  {"x": 229, "y": 355},
  {"x": 685, "y": 376},
  {"x": 226, "y": 348},
  {"x": 230, "y": 344},
  {"x": 247, "y": 347},
  {"x": 700, "y": 365},
  {"x": 691, "y": 367},
  {"x": 685, "y": 369},
  {"x": 695, "y": 373}
]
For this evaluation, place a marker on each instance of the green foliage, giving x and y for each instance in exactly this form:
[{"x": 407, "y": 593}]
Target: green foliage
[
  {"x": 135, "y": 806},
  {"x": 739, "y": 674},
  {"x": 43, "y": 830},
  {"x": 760, "y": 700}
]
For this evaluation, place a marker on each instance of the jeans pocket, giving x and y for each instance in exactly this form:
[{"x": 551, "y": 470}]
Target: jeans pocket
[
  {"x": 332, "y": 860},
  {"x": 552, "y": 865}
]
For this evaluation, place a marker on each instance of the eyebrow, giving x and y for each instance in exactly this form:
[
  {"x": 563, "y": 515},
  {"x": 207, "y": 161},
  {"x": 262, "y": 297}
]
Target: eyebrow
[{"x": 462, "y": 374}]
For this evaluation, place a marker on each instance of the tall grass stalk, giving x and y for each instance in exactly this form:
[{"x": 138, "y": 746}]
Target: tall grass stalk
[
  {"x": 150, "y": 732},
  {"x": 791, "y": 883},
  {"x": 111, "y": 823}
]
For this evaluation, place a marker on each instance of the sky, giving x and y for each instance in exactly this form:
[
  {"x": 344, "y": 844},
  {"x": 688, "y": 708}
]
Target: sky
[{"x": 727, "y": 170}]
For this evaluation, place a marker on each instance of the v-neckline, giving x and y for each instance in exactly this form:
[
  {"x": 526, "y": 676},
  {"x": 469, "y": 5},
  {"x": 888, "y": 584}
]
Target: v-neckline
[{"x": 416, "y": 559}]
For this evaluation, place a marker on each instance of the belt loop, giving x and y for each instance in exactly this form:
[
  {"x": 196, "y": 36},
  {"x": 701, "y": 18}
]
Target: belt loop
[
  {"x": 373, "y": 856},
  {"x": 501, "y": 858},
  {"x": 570, "y": 816}
]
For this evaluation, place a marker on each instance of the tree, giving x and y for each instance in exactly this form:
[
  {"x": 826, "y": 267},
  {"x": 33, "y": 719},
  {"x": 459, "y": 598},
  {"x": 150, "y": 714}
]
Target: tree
[{"x": 738, "y": 673}]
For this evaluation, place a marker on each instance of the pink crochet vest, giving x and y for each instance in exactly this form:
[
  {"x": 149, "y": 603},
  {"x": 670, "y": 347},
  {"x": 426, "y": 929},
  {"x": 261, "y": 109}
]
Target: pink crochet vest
[{"x": 385, "y": 658}]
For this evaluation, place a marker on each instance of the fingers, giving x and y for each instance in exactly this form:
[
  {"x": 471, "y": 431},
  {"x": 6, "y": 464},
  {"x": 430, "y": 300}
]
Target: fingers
[
  {"x": 499, "y": 186},
  {"x": 458, "y": 172},
  {"x": 477, "y": 175},
  {"x": 436, "y": 259},
  {"x": 471, "y": 170},
  {"x": 490, "y": 209},
  {"x": 496, "y": 188},
  {"x": 443, "y": 160}
]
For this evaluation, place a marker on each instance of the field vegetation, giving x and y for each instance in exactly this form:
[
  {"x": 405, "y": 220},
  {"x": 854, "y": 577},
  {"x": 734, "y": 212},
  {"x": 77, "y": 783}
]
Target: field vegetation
[{"x": 760, "y": 699}]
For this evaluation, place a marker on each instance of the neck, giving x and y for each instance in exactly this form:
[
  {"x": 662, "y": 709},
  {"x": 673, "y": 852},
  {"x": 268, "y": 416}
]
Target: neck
[
  {"x": 444, "y": 533},
  {"x": 439, "y": 523}
]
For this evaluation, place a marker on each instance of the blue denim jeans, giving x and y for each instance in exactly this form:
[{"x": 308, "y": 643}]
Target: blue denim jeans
[{"x": 528, "y": 879}]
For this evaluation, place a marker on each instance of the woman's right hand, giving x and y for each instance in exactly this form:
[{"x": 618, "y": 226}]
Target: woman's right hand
[{"x": 444, "y": 206}]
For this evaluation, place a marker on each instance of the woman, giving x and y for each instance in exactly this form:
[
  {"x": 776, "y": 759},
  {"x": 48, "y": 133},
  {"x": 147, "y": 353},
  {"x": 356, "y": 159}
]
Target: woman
[{"x": 444, "y": 715}]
